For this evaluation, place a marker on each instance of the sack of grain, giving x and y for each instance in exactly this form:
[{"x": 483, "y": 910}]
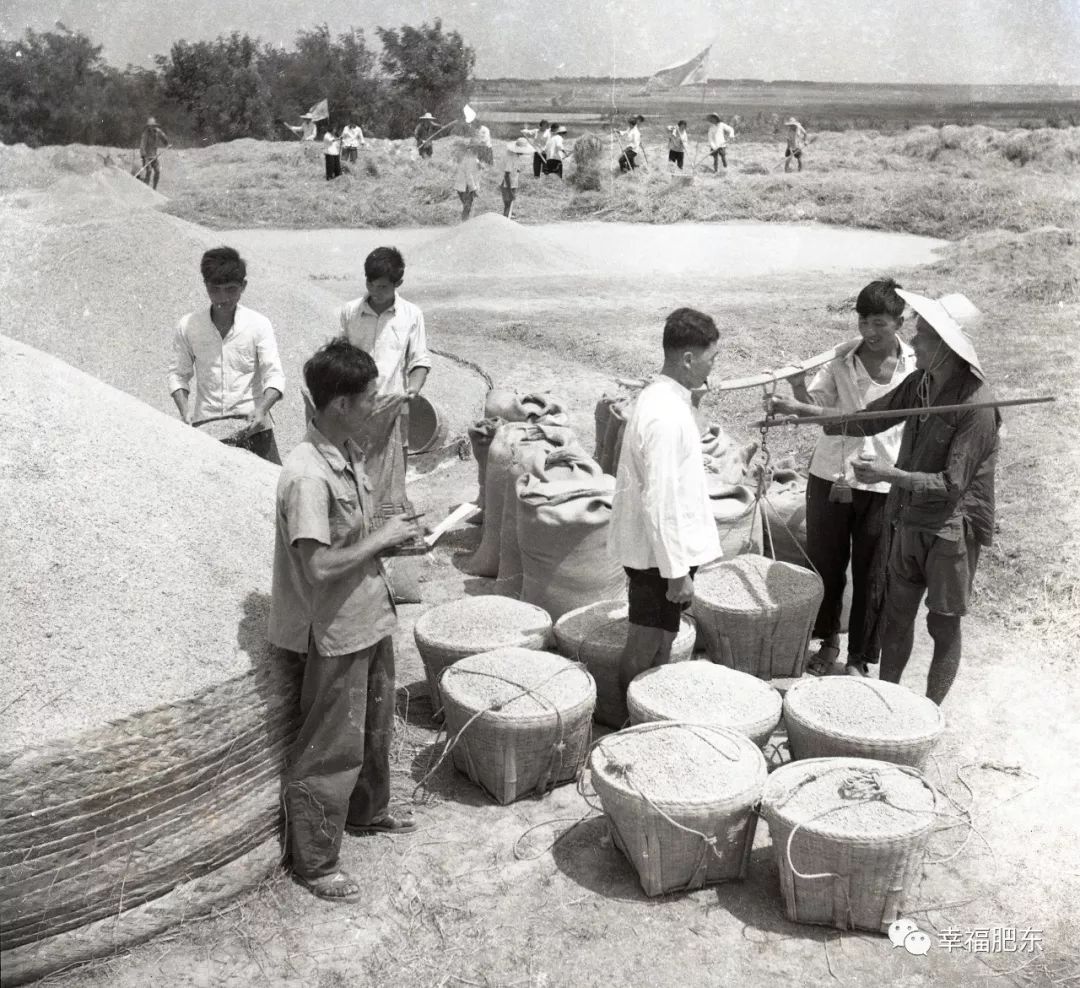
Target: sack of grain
[
  {"x": 485, "y": 561},
  {"x": 601, "y": 415},
  {"x": 596, "y": 635},
  {"x": 724, "y": 458},
  {"x": 471, "y": 625},
  {"x": 679, "y": 799},
  {"x": 547, "y": 461},
  {"x": 785, "y": 508},
  {"x": 519, "y": 721},
  {"x": 562, "y": 532},
  {"x": 511, "y": 407},
  {"x": 756, "y": 615},
  {"x": 849, "y": 836},
  {"x": 705, "y": 693},
  {"x": 618, "y": 412},
  {"x": 737, "y": 517},
  {"x": 863, "y": 718},
  {"x": 480, "y": 436}
]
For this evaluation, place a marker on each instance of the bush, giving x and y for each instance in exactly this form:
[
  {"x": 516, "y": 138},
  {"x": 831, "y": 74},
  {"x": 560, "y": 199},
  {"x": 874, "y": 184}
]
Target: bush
[{"x": 1018, "y": 152}]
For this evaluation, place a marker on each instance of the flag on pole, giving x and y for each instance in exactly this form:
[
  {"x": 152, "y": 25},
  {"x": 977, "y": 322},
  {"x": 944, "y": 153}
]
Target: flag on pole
[
  {"x": 696, "y": 70},
  {"x": 469, "y": 113},
  {"x": 320, "y": 111}
]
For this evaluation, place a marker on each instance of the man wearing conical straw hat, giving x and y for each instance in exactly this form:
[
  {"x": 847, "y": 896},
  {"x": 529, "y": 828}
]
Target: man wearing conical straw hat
[{"x": 941, "y": 500}]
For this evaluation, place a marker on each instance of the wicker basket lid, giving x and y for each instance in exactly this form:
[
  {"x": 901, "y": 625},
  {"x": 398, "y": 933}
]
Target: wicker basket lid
[
  {"x": 702, "y": 692},
  {"x": 684, "y": 764},
  {"x": 483, "y": 623},
  {"x": 518, "y": 684},
  {"x": 605, "y": 625},
  {"x": 863, "y": 709},
  {"x": 857, "y": 798},
  {"x": 754, "y": 583}
]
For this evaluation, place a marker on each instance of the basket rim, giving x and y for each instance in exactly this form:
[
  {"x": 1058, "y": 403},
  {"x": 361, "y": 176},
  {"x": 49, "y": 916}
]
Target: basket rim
[
  {"x": 753, "y": 786},
  {"x": 564, "y": 638},
  {"x": 459, "y": 668},
  {"x": 809, "y": 578},
  {"x": 420, "y": 628},
  {"x": 877, "y": 741},
  {"x": 922, "y": 821}
]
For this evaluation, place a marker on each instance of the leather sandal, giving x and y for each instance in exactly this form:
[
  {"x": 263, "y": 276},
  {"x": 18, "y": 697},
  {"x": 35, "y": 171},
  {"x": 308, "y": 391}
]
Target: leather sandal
[
  {"x": 822, "y": 661},
  {"x": 337, "y": 887}
]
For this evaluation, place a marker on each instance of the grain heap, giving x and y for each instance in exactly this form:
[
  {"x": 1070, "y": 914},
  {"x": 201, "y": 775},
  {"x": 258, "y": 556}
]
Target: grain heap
[
  {"x": 596, "y": 635},
  {"x": 679, "y": 799},
  {"x": 145, "y": 715},
  {"x": 863, "y": 718},
  {"x": 705, "y": 693},
  {"x": 471, "y": 625},
  {"x": 756, "y": 615},
  {"x": 849, "y": 835},
  {"x": 519, "y": 721}
]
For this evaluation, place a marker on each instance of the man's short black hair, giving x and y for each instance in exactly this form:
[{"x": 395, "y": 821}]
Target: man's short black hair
[
  {"x": 223, "y": 266},
  {"x": 688, "y": 329},
  {"x": 338, "y": 369},
  {"x": 879, "y": 298},
  {"x": 543, "y": 123},
  {"x": 682, "y": 123},
  {"x": 385, "y": 262}
]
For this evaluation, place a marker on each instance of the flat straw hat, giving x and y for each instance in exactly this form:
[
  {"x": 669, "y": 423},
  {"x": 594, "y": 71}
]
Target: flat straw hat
[
  {"x": 715, "y": 117},
  {"x": 427, "y": 116},
  {"x": 520, "y": 146},
  {"x": 948, "y": 316},
  {"x": 791, "y": 122},
  {"x": 560, "y": 130}
]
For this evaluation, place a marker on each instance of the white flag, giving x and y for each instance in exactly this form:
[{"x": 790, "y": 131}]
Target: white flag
[
  {"x": 684, "y": 74},
  {"x": 320, "y": 111},
  {"x": 469, "y": 113}
]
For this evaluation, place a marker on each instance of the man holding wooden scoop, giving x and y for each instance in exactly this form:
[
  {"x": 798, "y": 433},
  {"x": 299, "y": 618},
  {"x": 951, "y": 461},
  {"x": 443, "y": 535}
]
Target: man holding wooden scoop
[{"x": 941, "y": 501}]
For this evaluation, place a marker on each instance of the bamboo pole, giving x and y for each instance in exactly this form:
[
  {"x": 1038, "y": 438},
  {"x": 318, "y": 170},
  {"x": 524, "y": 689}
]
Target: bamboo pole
[{"x": 895, "y": 413}]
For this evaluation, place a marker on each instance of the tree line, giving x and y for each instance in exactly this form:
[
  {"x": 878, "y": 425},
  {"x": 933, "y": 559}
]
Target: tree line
[{"x": 55, "y": 87}]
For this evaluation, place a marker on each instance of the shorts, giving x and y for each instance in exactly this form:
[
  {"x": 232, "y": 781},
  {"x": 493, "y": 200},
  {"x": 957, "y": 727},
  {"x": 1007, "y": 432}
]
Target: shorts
[
  {"x": 649, "y": 606},
  {"x": 945, "y": 568},
  {"x": 793, "y": 153}
]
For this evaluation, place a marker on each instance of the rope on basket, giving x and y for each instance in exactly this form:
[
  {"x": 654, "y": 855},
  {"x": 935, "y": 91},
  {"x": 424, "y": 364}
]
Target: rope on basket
[{"x": 557, "y": 749}]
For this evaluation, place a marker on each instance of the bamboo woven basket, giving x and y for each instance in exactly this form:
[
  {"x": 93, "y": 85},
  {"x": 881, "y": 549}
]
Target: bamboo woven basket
[
  {"x": 679, "y": 799},
  {"x": 705, "y": 693},
  {"x": 472, "y": 625},
  {"x": 838, "y": 716},
  {"x": 596, "y": 635},
  {"x": 519, "y": 721},
  {"x": 756, "y": 615},
  {"x": 850, "y": 838}
]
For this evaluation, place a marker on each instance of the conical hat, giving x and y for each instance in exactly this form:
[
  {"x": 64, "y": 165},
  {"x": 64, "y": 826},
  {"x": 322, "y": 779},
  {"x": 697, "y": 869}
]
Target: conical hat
[{"x": 948, "y": 317}]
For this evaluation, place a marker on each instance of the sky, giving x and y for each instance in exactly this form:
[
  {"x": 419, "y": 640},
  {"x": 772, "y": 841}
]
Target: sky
[{"x": 993, "y": 42}]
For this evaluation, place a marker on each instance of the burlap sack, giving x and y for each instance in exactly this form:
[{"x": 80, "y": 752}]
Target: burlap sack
[
  {"x": 511, "y": 407},
  {"x": 618, "y": 412},
  {"x": 480, "y": 435},
  {"x": 724, "y": 457},
  {"x": 562, "y": 531},
  {"x": 738, "y": 521},
  {"x": 785, "y": 509},
  {"x": 601, "y": 415}
]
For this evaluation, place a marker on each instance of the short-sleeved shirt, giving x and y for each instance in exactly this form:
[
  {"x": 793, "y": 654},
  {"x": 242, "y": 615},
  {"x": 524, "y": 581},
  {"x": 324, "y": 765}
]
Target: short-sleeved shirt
[
  {"x": 467, "y": 174},
  {"x": 396, "y": 339},
  {"x": 332, "y": 144},
  {"x": 553, "y": 150},
  {"x": 511, "y": 167},
  {"x": 321, "y": 495},
  {"x": 677, "y": 140},
  {"x": 719, "y": 134}
]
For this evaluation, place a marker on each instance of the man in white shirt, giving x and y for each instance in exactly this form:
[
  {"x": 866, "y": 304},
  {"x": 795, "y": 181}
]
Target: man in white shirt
[
  {"x": 796, "y": 138},
  {"x": 539, "y": 136},
  {"x": 719, "y": 132},
  {"x": 555, "y": 151},
  {"x": 332, "y": 154},
  {"x": 481, "y": 137},
  {"x": 662, "y": 526},
  {"x": 631, "y": 139},
  {"x": 352, "y": 139},
  {"x": 231, "y": 352}
]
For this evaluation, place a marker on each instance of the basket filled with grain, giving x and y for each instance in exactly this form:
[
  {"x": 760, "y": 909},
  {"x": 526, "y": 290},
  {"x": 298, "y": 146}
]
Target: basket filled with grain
[
  {"x": 519, "y": 721},
  {"x": 861, "y": 718},
  {"x": 679, "y": 799},
  {"x": 596, "y": 635},
  {"x": 756, "y": 614},
  {"x": 472, "y": 625},
  {"x": 850, "y": 837},
  {"x": 705, "y": 693}
]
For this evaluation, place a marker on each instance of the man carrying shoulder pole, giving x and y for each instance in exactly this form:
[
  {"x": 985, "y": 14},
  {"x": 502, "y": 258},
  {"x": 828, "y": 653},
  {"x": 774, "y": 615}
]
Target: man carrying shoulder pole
[{"x": 662, "y": 526}]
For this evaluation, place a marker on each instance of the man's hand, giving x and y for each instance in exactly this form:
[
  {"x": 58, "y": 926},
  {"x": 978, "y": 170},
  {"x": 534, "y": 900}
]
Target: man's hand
[
  {"x": 873, "y": 471},
  {"x": 257, "y": 420},
  {"x": 398, "y": 529},
  {"x": 779, "y": 405},
  {"x": 681, "y": 590}
]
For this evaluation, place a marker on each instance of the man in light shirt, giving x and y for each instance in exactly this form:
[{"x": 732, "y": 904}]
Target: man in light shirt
[
  {"x": 555, "y": 151},
  {"x": 796, "y": 138},
  {"x": 352, "y": 139},
  {"x": 481, "y": 137},
  {"x": 719, "y": 132},
  {"x": 539, "y": 137},
  {"x": 631, "y": 139},
  {"x": 467, "y": 177},
  {"x": 662, "y": 526},
  {"x": 332, "y": 154},
  {"x": 231, "y": 352}
]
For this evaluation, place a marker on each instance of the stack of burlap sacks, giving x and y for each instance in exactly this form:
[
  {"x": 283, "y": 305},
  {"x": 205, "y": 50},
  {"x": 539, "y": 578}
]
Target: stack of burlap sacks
[{"x": 546, "y": 501}]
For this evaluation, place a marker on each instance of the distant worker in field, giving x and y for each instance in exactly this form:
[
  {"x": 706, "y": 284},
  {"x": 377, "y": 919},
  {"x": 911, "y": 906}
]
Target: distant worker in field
[
  {"x": 662, "y": 526},
  {"x": 231, "y": 352},
  {"x": 331, "y": 611},
  {"x": 555, "y": 151},
  {"x": 719, "y": 134},
  {"x": 539, "y": 136},
  {"x": 481, "y": 138},
  {"x": 513, "y": 161},
  {"x": 352, "y": 139},
  {"x": 467, "y": 177},
  {"x": 796, "y": 140},
  {"x": 678, "y": 139},
  {"x": 631, "y": 139},
  {"x": 423, "y": 133},
  {"x": 152, "y": 142},
  {"x": 332, "y": 154}
]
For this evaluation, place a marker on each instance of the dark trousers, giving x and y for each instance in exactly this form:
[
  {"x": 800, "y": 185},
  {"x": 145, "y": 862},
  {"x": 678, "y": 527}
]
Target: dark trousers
[
  {"x": 261, "y": 444},
  {"x": 538, "y": 164},
  {"x": 676, "y": 158},
  {"x": 151, "y": 170},
  {"x": 628, "y": 160},
  {"x": 553, "y": 166},
  {"x": 718, "y": 155},
  {"x": 839, "y": 533},
  {"x": 426, "y": 150},
  {"x": 339, "y": 766},
  {"x": 333, "y": 166}
]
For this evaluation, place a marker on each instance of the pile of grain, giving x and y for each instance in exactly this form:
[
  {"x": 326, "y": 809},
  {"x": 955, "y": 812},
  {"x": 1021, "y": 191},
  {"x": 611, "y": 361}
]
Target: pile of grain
[
  {"x": 481, "y": 624},
  {"x": 145, "y": 715},
  {"x": 678, "y": 763},
  {"x": 750, "y": 583},
  {"x": 706, "y": 693},
  {"x": 497, "y": 681}
]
